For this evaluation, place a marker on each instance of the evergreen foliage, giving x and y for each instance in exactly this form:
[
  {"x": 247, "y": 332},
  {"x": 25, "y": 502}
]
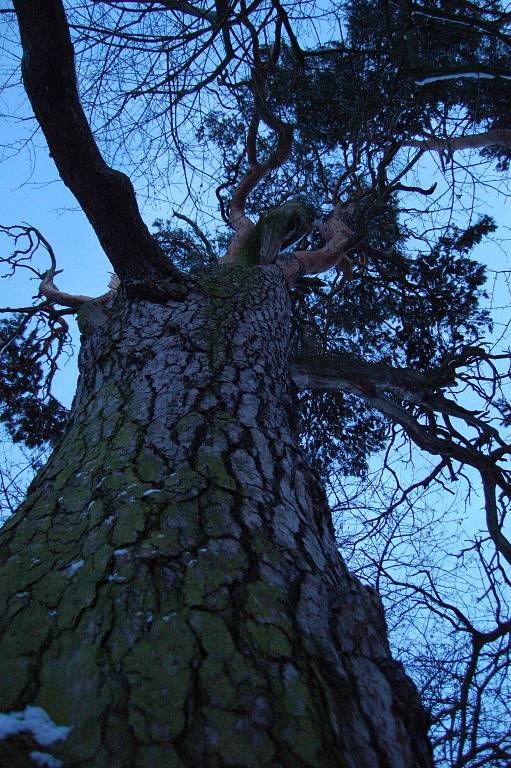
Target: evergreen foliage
[{"x": 31, "y": 416}]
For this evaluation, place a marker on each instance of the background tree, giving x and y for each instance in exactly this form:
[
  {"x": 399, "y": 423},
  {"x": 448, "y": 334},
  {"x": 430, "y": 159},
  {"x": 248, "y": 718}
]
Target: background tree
[{"x": 189, "y": 567}]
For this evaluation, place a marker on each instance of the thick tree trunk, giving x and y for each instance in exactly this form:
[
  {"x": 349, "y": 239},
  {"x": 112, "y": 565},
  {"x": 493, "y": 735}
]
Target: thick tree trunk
[{"x": 171, "y": 589}]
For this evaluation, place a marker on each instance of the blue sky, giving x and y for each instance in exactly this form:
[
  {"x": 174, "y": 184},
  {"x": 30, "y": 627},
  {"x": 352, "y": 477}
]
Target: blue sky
[{"x": 31, "y": 192}]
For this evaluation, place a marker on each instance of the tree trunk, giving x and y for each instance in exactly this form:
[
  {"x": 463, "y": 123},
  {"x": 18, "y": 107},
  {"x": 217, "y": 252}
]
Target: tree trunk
[{"x": 171, "y": 588}]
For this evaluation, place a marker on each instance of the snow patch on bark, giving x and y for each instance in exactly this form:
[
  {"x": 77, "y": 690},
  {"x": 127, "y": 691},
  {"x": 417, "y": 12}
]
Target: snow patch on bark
[
  {"x": 37, "y": 721},
  {"x": 46, "y": 760},
  {"x": 74, "y": 567}
]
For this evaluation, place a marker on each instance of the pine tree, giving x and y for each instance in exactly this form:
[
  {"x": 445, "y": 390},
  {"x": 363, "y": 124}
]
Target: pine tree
[{"x": 172, "y": 589}]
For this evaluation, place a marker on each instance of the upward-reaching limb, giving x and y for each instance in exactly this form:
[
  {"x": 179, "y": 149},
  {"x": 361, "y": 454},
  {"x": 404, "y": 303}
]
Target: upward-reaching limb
[{"x": 106, "y": 195}]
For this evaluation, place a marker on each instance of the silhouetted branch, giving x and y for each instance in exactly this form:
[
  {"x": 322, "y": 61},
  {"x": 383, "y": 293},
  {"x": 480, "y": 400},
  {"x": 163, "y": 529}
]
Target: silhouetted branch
[{"x": 106, "y": 195}]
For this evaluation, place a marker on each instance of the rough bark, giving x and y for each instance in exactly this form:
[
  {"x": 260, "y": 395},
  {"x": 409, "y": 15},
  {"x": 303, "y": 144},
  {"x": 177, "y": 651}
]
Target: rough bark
[{"x": 171, "y": 588}]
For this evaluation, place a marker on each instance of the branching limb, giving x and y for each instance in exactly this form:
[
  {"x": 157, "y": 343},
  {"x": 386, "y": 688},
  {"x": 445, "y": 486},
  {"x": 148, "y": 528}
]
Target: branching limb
[
  {"x": 41, "y": 333},
  {"x": 334, "y": 253},
  {"x": 27, "y": 241},
  {"x": 295, "y": 45},
  {"x": 404, "y": 396},
  {"x": 495, "y": 137},
  {"x": 238, "y": 219},
  {"x": 106, "y": 195},
  {"x": 179, "y": 6}
]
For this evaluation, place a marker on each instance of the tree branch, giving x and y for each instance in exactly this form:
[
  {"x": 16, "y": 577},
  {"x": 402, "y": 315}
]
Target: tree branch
[
  {"x": 346, "y": 371},
  {"x": 375, "y": 381},
  {"x": 27, "y": 240},
  {"x": 106, "y": 195},
  {"x": 178, "y": 6},
  {"x": 333, "y": 254},
  {"x": 48, "y": 289},
  {"x": 495, "y": 137},
  {"x": 238, "y": 219},
  {"x": 200, "y": 234}
]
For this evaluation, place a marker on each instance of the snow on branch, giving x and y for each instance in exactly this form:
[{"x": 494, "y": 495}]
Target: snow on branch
[{"x": 456, "y": 73}]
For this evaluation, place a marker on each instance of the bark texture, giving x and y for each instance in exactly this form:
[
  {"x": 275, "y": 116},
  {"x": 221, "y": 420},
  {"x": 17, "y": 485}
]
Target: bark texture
[{"x": 171, "y": 589}]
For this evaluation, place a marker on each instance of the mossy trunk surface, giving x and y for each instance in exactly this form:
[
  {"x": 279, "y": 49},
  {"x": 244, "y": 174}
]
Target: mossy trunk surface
[{"x": 171, "y": 589}]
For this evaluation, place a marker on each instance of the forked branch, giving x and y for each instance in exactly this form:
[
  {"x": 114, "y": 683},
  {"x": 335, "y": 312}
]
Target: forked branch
[
  {"x": 334, "y": 253},
  {"x": 27, "y": 241},
  {"x": 238, "y": 219},
  {"x": 403, "y": 396}
]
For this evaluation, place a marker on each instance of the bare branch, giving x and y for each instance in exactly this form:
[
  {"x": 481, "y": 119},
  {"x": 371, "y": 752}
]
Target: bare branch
[
  {"x": 373, "y": 381},
  {"x": 27, "y": 240},
  {"x": 169, "y": 5},
  {"x": 106, "y": 195},
  {"x": 495, "y": 137}
]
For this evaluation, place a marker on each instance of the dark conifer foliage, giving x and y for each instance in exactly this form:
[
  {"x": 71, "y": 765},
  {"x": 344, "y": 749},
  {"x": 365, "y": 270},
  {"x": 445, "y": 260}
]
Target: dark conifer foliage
[
  {"x": 406, "y": 308},
  {"x": 31, "y": 415}
]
